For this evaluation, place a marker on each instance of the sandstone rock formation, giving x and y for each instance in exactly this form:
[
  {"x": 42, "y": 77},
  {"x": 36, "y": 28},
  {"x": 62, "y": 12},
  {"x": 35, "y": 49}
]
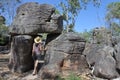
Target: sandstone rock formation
[
  {"x": 33, "y": 18},
  {"x": 21, "y": 59},
  {"x": 64, "y": 52},
  {"x": 103, "y": 54}
]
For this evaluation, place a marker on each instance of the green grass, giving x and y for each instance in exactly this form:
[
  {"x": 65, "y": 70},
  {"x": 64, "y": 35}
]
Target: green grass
[{"x": 70, "y": 77}]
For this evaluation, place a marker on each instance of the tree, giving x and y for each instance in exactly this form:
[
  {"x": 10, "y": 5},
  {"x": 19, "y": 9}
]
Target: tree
[
  {"x": 70, "y": 10},
  {"x": 3, "y": 30},
  {"x": 113, "y": 17},
  {"x": 7, "y": 9},
  {"x": 87, "y": 35}
]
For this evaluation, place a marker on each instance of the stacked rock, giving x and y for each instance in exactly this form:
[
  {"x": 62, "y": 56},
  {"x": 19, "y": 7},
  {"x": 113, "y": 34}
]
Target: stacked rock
[{"x": 31, "y": 19}]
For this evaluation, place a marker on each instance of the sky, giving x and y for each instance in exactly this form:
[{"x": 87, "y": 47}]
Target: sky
[{"x": 87, "y": 19}]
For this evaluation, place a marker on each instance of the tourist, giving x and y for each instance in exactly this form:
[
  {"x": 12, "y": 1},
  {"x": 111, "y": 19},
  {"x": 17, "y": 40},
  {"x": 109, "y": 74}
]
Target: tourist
[{"x": 37, "y": 53}]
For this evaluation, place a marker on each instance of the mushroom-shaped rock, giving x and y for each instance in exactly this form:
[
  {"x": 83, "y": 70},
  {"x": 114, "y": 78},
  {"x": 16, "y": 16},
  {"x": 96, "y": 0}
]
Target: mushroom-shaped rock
[{"x": 33, "y": 18}]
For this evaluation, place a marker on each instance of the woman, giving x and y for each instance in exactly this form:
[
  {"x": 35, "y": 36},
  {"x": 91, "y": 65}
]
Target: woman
[{"x": 36, "y": 53}]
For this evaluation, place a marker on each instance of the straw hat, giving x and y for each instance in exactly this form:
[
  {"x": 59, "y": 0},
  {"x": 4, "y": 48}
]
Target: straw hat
[{"x": 37, "y": 39}]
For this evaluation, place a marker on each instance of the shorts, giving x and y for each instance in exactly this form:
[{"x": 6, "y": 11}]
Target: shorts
[{"x": 37, "y": 56}]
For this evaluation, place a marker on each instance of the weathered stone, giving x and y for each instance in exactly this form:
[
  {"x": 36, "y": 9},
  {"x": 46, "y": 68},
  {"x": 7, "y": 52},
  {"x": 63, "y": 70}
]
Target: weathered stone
[
  {"x": 75, "y": 62},
  {"x": 59, "y": 49},
  {"x": 20, "y": 55},
  {"x": 115, "y": 41},
  {"x": 91, "y": 53},
  {"x": 117, "y": 56},
  {"x": 69, "y": 43},
  {"x": 106, "y": 67},
  {"x": 33, "y": 18},
  {"x": 101, "y": 59}
]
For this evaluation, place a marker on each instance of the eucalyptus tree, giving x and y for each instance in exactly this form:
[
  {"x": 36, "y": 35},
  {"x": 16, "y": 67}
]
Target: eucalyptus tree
[
  {"x": 70, "y": 10},
  {"x": 113, "y": 17},
  {"x": 8, "y": 8}
]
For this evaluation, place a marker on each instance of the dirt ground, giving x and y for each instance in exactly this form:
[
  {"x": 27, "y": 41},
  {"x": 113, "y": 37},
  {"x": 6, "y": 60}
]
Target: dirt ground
[
  {"x": 4, "y": 71},
  {"x": 6, "y": 74},
  {"x": 4, "y": 59}
]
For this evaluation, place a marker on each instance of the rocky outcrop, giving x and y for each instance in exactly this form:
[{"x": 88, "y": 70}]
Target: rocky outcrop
[
  {"x": 102, "y": 54},
  {"x": 33, "y": 18},
  {"x": 101, "y": 60},
  {"x": 66, "y": 51},
  {"x": 117, "y": 55},
  {"x": 105, "y": 66},
  {"x": 65, "y": 48},
  {"x": 20, "y": 55}
]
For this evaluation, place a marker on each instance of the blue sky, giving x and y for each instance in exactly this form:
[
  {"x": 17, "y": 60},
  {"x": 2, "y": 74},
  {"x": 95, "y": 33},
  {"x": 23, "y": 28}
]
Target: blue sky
[{"x": 87, "y": 19}]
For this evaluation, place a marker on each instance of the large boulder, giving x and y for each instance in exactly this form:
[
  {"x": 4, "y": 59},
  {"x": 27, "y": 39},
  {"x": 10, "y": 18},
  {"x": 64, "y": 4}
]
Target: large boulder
[
  {"x": 66, "y": 46},
  {"x": 91, "y": 53},
  {"x": 105, "y": 67},
  {"x": 117, "y": 56},
  {"x": 101, "y": 59},
  {"x": 33, "y": 18},
  {"x": 69, "y": 43},
  {"x": 20, "y": 54}
]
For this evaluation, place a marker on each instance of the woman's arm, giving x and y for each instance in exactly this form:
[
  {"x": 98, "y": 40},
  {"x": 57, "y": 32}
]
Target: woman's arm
[
  {"x": 33, "y": 49},
  {"x": 40, "y": 46}
]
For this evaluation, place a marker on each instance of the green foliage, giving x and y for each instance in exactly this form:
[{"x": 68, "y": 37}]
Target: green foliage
[
  {"x": 73, "y": 77},
  {"x": 59, "y": 78},
  {"x": 57, "y": 12},
  {"x": 70, "y": 10},
  {"x": 1, "y": 78},
  {"x": 2, "y": 20},
  {"x": 86, "y": 35},
  {"x": 113, "y": 17},
  {"x": 2, "y": 41},
  {"x": 3, "y": 29},
  {"x": 3, "y": 32},
  {"x": 8, "y": 8},
  {"x": 114, "y": 10}
]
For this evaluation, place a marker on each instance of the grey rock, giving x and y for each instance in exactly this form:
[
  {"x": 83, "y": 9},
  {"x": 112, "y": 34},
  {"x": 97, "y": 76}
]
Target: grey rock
[
  {"x": 33, "y": 18},
  {"x": 101, "y": 59},
  {"x": 20, "y": 55},
  {"x": 91, "y": 53},
  {"x": 69, "y": 43},
  {"x": 106, "y": 67},
  {"x": 117, "y": 56},
  {"x": 59, "y": 49}
]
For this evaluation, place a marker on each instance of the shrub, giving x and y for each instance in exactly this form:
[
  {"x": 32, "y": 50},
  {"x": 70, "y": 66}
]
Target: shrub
[{"x": 72, "y": 77}]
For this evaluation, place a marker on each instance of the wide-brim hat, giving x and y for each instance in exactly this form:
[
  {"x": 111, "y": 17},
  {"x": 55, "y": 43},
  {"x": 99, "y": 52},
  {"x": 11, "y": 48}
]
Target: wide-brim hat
[{"x": 37, "y": 39}]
